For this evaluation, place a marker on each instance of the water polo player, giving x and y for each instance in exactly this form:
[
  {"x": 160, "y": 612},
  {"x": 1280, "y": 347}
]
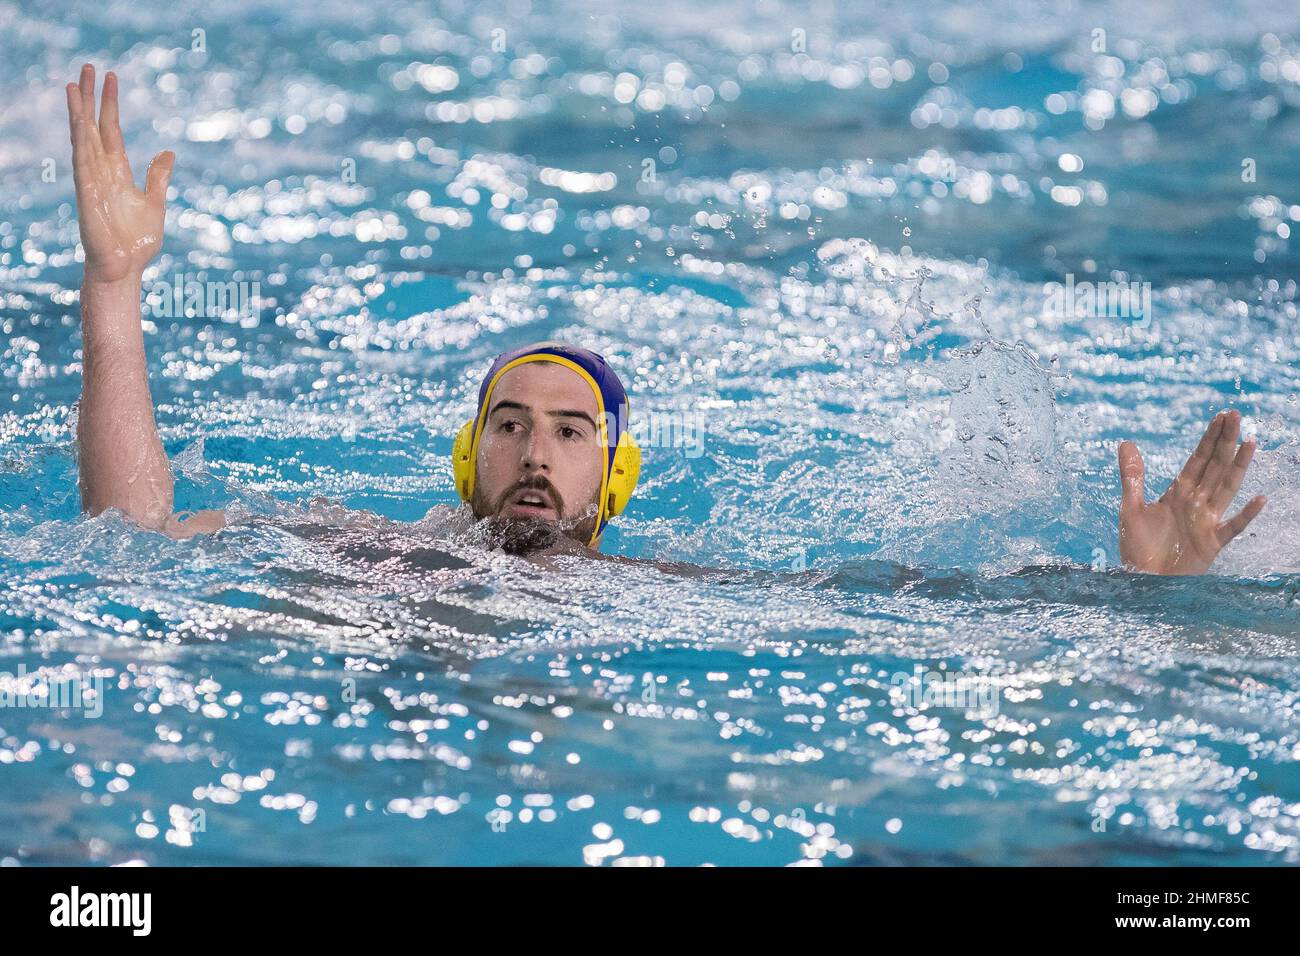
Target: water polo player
[{"x": 547, "y": 459}]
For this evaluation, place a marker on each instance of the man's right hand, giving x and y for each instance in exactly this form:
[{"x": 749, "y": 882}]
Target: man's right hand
[{"x": 121, "y": 226}]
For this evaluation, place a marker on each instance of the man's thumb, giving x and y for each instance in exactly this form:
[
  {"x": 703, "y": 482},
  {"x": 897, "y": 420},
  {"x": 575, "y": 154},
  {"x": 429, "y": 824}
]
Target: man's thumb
[
  {"x": 1132, "y": 475},
  {"x": 159, "y": 175}
]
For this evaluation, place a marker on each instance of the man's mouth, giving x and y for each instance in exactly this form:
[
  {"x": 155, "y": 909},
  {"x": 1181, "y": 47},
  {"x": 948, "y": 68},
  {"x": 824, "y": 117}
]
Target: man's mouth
[{"x": 530, "y": 503}]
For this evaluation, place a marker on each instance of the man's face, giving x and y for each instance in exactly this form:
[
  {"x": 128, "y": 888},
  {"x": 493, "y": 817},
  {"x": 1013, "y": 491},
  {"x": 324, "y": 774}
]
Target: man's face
[{"x": 540, "y": 458}]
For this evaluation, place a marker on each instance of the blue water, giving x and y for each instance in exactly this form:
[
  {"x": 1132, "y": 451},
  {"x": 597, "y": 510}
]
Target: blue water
[{"x": 826, "y": 252}]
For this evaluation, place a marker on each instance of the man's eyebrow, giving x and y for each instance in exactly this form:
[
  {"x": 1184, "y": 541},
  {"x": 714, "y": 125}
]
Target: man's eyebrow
[
  {"x": 562, "y": 413},
  {"x": 572, "y": 414},
  {"x": 508, "y": 404}
]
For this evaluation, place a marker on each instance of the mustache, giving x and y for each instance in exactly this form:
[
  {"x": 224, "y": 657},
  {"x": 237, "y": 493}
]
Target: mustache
[{"x": 537, "y": 482}]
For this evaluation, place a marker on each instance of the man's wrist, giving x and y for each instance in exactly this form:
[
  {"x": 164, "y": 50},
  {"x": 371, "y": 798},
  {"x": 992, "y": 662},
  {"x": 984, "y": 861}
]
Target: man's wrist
[
  {"x": 95, "y": 284},
  {"x": 104, "y": 299},
  {"x": 110, "y": 317}
]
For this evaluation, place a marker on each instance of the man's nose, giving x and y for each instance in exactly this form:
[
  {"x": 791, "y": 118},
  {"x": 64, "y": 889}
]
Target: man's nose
[{"x": 537, "y": 452}]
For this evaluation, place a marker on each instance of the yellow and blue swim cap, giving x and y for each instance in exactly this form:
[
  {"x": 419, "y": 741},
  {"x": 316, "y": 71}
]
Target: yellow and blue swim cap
[{"x": 623, "y": 460}]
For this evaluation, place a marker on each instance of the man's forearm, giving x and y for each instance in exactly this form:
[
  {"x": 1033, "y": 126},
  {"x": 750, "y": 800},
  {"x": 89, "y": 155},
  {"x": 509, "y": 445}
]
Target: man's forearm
[{"x": 121, "y": 459}]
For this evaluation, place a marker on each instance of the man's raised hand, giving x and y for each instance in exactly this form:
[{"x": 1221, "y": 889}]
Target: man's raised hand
[
  {"x": 1184, "y": 531},
  {"x": 121, "y": 226}
]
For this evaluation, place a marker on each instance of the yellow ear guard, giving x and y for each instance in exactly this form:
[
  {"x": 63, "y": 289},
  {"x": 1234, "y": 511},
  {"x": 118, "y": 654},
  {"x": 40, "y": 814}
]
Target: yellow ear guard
[
  {"x": 462, "y": 460},
  {"x": 623, "y": 475},
  {"x": 624, "y": 461}
]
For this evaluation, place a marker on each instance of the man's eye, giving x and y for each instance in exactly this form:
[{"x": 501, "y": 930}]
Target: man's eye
[
  {"x": 508, "y": 426},
  {"x": 569, "y": 432}
]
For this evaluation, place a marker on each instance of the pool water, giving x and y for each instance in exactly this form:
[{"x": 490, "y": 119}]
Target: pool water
[{"x": 814, "y": 243}]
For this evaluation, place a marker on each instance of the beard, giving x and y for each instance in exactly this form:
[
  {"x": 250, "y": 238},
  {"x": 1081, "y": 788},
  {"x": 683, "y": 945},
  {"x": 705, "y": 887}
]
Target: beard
[{"x": 523, "y": 536}]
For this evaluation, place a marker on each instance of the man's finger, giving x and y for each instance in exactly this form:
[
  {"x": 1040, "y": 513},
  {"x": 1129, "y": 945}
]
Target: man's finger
[
  {"x": 1222, "y": 496},
  {"x": 1132, "y": 476},
  {"x": 74, "y": 110},
  {"x": 87, "y": 86},
  {"x": 159, "y": 175},
  {"x": 1195, "y": 467},
  {"x": 74, "y": 102},
  {"x": 1234, "y": 526},
  {"x": 81, "y": 171},
  {"x": 1227, "y": 446},
  {"x": 1225, "y": 450},
  {"x": 110, "y": 132}
]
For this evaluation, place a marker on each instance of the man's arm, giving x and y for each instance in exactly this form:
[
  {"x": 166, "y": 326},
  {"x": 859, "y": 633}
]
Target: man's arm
[
  {"x": 121, "y": 459},
  {"x": 1184, "y": 531}
]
